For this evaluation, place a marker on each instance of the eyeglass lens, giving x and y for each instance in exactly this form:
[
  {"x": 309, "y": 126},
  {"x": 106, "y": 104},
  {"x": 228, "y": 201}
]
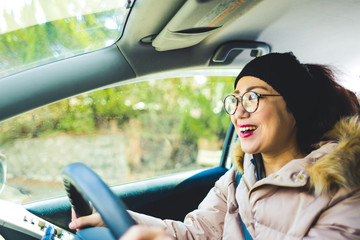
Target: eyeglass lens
[
  {"x": 230, "y": 104},
  {"x": 249, "y": 101}
]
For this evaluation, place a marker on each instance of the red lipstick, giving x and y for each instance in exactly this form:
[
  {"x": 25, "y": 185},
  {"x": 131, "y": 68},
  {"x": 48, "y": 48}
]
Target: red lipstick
[{"x": 246, "y": 130}]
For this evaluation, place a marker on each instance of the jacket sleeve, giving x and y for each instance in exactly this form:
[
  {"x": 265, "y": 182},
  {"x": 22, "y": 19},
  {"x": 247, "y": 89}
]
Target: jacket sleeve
[
  {"x": 341, "y": 220},
  {"x": 206, "y": 222}
]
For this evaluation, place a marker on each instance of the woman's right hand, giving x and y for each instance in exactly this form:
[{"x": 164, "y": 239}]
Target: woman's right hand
[
  {"x": 93, "y": 220},
  {"x": 137, "y": 232}
]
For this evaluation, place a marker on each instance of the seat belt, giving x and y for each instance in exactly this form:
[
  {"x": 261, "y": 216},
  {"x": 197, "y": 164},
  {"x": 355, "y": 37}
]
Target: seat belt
[{"x": 245, "y": 231}]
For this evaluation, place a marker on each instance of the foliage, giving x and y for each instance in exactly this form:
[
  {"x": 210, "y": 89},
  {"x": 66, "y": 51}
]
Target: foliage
[
  {"x": 164, "y": 106},
  {"x": 54, "y": 40}
]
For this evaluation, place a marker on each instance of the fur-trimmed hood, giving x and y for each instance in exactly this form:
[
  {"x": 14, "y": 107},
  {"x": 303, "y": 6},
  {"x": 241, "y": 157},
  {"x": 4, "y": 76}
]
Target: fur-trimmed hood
[{"x": 337, "y": 169}]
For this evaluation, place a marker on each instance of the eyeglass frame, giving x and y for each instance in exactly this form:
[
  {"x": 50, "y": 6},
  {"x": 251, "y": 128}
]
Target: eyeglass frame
[{"x": 259, "y": 95}]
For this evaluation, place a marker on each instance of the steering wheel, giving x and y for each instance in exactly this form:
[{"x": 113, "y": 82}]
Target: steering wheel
[{"x": 84, "y": 186}]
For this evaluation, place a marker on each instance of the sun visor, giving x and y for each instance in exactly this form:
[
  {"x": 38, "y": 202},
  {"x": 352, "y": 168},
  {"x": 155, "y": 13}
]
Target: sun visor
[{"x": 196, "y": 20}]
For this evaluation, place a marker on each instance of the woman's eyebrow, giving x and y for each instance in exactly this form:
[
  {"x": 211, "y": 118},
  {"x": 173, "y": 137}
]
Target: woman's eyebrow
[{"x": 251, "y": 88}]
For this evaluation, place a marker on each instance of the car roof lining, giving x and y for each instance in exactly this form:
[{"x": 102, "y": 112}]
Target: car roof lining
[{"x": 279, "y": 26}]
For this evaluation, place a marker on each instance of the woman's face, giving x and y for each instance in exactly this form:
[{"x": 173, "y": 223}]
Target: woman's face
[{"x": 271, "y": 129}]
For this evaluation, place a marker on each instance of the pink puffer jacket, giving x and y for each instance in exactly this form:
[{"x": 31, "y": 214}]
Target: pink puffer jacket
[{"x": 317, "y": 197}]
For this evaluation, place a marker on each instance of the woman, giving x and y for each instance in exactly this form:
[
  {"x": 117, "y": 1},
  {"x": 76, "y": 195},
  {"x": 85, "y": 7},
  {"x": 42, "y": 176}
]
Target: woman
[{"x": 301, "y": 171}]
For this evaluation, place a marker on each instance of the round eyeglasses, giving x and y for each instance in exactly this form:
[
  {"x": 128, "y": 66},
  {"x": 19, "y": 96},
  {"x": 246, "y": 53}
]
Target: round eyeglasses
[{"x": 249, "y": 101}]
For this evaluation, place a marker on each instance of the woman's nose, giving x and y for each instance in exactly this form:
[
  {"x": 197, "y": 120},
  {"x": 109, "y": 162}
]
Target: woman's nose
[{"x": 241, "y": 113}]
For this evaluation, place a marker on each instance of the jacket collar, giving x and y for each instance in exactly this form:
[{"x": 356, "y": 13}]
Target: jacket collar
[{"x": 325, "y": 170}]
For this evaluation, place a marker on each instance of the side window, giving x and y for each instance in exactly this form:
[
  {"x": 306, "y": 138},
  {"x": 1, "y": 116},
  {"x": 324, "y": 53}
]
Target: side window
[{"x": 125, "y": 133}]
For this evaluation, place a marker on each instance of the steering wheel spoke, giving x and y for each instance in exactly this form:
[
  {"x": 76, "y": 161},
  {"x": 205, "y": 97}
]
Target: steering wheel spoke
[{"x": 84, "y": 186}]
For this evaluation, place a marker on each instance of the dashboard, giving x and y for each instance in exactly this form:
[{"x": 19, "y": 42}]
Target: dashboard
[{"x": 18, "y": 223}]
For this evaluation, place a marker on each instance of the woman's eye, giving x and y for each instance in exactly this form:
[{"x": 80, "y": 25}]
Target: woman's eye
[{"x": 252, "y": 97}]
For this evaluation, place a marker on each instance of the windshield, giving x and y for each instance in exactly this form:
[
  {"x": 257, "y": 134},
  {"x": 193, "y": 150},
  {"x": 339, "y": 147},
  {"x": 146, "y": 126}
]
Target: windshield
[{"x": 53, "y": 30}]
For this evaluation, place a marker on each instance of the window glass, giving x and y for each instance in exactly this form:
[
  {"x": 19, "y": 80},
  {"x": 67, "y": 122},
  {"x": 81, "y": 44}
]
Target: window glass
[
  {"x": 57, "y": 29},
  {"x": 124, "y": 133}
]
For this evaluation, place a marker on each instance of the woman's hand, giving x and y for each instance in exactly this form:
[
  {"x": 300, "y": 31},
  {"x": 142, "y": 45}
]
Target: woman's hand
[
  {"x": 137, "y": 232},
  {"x": 93, "y": 220},
  {"x": 142, "y": 232}
]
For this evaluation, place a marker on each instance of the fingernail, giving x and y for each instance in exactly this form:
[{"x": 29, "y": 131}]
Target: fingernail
[{"x": 72, "y": 225}]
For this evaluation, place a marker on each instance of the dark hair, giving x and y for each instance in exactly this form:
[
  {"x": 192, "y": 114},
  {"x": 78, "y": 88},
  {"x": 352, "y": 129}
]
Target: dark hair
[
  {"x": 310, "y": 91},
  {"x": 333, "y": 102}
]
